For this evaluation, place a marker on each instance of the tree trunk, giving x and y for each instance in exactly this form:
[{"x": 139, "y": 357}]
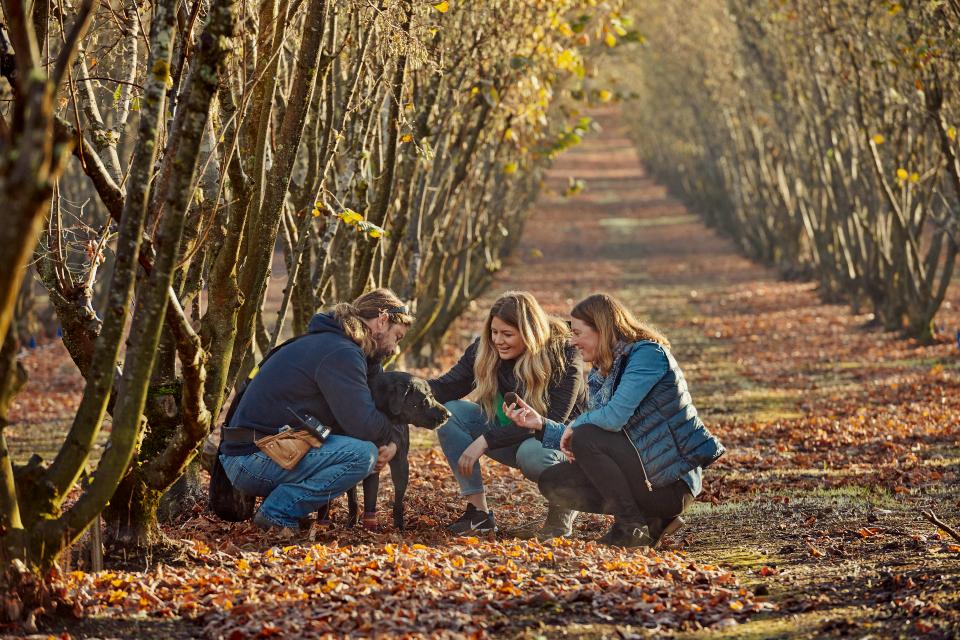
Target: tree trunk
[
  {"x": 12, "y": 378},
  {"x": 183, "y": 496},
  {"x": 256, "y": 270},
  {"x": 130, "y": 520}
]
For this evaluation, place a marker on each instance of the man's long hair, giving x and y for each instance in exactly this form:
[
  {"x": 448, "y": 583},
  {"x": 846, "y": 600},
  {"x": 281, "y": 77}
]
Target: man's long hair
[
  {"x": 543, "y": 359},
  {"x": 366, "y": 307},
  {"x": 614, "y": 322}
]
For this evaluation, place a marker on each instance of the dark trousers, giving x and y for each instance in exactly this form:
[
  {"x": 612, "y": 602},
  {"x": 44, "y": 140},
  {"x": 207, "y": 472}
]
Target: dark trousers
[{"x": 607, "y": 478}]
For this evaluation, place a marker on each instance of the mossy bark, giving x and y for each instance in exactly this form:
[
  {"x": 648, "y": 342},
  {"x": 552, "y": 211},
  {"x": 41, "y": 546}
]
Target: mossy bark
[{"x": 130, "y": 520}]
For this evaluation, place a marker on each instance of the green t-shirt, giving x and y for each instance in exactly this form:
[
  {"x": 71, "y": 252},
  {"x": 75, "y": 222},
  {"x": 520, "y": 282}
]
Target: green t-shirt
[{"x": 502, "y": 418}]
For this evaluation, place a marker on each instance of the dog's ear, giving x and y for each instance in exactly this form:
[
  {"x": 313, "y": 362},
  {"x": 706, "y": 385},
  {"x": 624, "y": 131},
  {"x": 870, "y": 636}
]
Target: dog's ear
[{"x": 397, "y": 394}]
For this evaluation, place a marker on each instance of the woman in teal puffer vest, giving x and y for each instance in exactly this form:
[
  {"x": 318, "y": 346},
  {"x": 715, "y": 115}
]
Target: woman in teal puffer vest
[{"x": 639, "y": 450}]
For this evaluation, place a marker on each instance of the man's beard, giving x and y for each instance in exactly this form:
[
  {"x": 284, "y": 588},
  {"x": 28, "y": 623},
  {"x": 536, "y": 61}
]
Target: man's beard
[{"x": 381, "y": 352}]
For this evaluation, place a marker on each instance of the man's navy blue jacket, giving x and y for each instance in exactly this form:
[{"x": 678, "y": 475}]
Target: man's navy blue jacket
[{"x": 324, "y": 373}]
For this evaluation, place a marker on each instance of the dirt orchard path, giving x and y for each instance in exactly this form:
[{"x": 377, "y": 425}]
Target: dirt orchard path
[
  {"x": 837, "y": 436},
  {"x": 757, "y": 351}
]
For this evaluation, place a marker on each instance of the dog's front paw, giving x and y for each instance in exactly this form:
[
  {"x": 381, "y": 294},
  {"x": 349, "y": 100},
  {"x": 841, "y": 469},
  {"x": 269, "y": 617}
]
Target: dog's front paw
[{"x": 370, "y": 521}]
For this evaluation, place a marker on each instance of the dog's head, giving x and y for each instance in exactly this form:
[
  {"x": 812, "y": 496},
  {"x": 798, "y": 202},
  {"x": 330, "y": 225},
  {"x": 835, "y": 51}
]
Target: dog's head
[{"x": 407, "y": 399}]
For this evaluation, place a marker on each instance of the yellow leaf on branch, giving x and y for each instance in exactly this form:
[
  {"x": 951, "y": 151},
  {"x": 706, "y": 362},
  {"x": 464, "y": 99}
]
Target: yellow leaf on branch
[
  {"x": 567, "y": 59},
  {"x": 350, "y": 217},
  {"x": 442, "y": 7}
]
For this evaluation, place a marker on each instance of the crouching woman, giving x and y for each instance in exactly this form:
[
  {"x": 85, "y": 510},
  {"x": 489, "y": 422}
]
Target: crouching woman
[
  {"x": 521, "y": 350},
  {"x": 639, "y": 450}
]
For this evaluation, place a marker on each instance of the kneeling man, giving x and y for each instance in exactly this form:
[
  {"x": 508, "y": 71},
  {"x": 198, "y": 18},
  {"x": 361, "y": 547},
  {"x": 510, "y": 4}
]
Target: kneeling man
[{"x": 323, "y": 374}]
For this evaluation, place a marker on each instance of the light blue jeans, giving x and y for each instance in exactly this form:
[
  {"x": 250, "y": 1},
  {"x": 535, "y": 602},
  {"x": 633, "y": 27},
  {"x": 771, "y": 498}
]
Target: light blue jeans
[
  {"x": 321, "y": 475},
  {"x": 467, "y": 422}
]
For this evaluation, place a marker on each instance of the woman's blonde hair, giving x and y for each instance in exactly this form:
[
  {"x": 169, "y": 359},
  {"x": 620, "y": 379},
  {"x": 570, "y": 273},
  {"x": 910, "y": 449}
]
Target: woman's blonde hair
[
  {"x": 366, "y": 307},
  {"x": 613, "y": 321},
  {"x": 543, "y": 359}
]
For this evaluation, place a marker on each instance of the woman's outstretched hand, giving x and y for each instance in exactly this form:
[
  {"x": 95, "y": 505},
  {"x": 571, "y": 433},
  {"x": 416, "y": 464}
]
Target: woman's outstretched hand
[{"x": 523, "y": 415}]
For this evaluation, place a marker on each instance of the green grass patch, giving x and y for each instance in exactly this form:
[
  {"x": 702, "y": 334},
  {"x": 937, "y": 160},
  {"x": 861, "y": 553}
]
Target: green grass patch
[
  {"x": 422, "y": 439},
  {"x": 802, "y": 625},
  {"x": 904, "y": 363},
  {"x": 623, "y": 224},
  {"x": 760, "y": 505},
  {"x": 764, "y": 404}
]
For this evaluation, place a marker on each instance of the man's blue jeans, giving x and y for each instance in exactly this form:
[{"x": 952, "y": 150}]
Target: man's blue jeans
[
  {"x": 467, "y": 422},
  {"x": 321, "y": 475}
]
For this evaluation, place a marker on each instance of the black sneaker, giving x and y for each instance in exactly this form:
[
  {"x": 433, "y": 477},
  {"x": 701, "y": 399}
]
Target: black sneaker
[
  {"x": 627, "y": 535},
  {"x": 559, "y": 523},
  {"x": 473, "y": 521}
]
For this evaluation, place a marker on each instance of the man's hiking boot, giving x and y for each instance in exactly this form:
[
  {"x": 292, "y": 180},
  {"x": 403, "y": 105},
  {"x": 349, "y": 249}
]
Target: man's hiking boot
[
  {"x": 283, "y": 533},
  {"x": 559, "y": 524},
  {"x": 473, "y": 522},
  {"x": 627, "y": 534}
]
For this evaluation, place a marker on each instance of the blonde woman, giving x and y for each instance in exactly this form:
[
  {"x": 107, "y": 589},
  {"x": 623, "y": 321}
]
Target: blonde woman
[
  {"x": 524, "y": 351},
  {"x": 639, "y": 450},
  {"x": 323, "y": 373}
]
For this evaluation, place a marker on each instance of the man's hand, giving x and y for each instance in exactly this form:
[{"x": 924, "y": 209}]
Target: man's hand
[
  {"x": 385, "y": 455},
  {"x": 566, "y": 443},
  {"x": 523, "y": 415},
  {"x": 469, "y": 458}
]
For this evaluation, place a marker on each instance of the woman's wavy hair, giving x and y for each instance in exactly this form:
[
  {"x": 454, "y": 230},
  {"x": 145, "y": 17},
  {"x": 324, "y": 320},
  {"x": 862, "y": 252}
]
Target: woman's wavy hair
[
  {"x": 613, "y": 321},
  {"x": 368, "y": 306},
  {"x": 544, "y": 358}
]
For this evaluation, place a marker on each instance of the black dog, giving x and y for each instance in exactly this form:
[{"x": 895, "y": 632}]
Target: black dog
[{"x": 405, "y": 399}]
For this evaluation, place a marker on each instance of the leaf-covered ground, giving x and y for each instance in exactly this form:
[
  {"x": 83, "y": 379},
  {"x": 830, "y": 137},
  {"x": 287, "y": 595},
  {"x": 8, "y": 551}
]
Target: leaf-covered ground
[{"x": 840, "y": 435}]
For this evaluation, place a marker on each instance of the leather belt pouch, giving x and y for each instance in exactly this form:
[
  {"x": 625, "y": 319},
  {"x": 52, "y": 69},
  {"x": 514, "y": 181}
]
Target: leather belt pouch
[{"x": 287, "y": 448}]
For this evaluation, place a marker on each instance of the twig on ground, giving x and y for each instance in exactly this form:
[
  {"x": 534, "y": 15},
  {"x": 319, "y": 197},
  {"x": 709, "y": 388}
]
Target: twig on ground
[{"x": 932, "y": 517}]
